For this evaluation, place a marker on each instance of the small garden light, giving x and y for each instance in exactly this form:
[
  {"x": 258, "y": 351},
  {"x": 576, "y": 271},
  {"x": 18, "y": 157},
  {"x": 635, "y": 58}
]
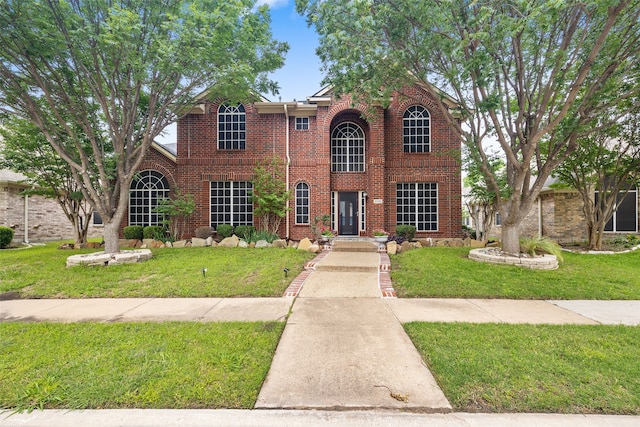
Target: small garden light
[
  {"x": 286, "y": 271},
  {"x": 204, "y": 272}
]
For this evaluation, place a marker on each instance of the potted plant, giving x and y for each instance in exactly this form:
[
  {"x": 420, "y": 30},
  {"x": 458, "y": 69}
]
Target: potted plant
[
  {"x": 380, "y": 235},
  {"x": 326, "y": 233}
]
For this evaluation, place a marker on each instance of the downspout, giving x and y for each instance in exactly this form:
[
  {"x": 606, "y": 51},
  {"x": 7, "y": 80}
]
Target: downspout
[
  {"x": 26, "y": 218},
  {"x": 286, "y": 137},
  {"x": 539, "y": 216}
]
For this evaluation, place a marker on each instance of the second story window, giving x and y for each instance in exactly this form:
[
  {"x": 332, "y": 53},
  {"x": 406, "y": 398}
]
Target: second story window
[
  {"x": 416, "y": 130},
  {"x": 232, "y": 126},
  {"x": 347, "y": 148},
  {"x": 302, "y": 123}
]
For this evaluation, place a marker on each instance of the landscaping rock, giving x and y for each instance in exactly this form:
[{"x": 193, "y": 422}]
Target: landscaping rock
[
  {"x": 147, "y": 243},
  {"x": 476, "y": 243},
  {"x": 262, "y": 244},
  {"x": 293, "y": 244},
  {"x": 197, "y": 242},
  {"x": 230, "y": 242},
  {"x": 158, "y": 244},
  {"x": 180, "y": 244},
  {"x": 392, "y": 248},
  {"x": 406, "y": 246},
  {"x": 314, "y": 248},
  {"x": 243, "y": 244},
  {"x": 279, "y": 243},
  {"x": 304, "y": 244},
  {"x": 209, "y": 241}
]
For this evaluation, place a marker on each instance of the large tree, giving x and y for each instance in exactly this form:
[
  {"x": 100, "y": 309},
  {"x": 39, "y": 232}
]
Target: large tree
[
  {"x": 529, "y": 75},
  {"x": 603, "y": 170},
  {"x": 24, "y": 149},
  {"x": 129, "y": 66}
]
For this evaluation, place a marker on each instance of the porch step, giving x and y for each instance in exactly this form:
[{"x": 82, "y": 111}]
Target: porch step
[
  {"x": 360, "y": 262},
  {"x": 354, "y": 246}
]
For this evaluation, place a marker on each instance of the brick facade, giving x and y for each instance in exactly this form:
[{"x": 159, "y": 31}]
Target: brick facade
[{"x": 269, "y": 126}]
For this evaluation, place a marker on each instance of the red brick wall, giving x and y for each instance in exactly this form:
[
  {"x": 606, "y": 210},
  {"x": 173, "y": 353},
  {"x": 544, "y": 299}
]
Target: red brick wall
[{"x": 199, "y": 161}]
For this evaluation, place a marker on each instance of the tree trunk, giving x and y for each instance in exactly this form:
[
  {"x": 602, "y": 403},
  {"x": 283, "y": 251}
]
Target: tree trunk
[
  {"x": 510, "y": 239},
  {"x": 111, "y": 236}
]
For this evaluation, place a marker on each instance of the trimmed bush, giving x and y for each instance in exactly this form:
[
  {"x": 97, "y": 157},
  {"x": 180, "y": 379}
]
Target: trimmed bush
[
  {"x": 133, "y": 232},
  {"x": 406, "y": 231},
  {"x": 245, "y": 231},
  {"x": 6, "y": 236},
  {"x": 225, "y": 230},
  {"x": 154, "y": 232},
  {"x": 204, "y": 232}
]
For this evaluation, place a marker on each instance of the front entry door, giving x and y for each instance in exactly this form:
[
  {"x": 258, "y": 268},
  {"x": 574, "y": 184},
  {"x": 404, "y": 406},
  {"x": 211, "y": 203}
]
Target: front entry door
[{"x": 348, "y": 214}]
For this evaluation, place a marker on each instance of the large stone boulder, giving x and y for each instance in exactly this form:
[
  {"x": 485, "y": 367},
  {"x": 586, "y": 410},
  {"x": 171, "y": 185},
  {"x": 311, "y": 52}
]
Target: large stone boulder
[
  {"x": 243, "y": 244},
  {"x": 392, "y": 248},
  {"x": 262, "y": 244},
  {"x": 304, "y": 244},
  {"x": 229, "y": 242},
  {"x": 197, "y": 242},
  {"x": 315, "y": 248},
  {"x": 279, "y": 243},
  {"x": 180, "y": 244},
  {"x": 209, "y": 241}
]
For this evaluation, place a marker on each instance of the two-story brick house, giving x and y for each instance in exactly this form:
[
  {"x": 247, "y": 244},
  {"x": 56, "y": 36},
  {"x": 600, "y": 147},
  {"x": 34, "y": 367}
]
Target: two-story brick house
[{"x": 368, "y": 168}]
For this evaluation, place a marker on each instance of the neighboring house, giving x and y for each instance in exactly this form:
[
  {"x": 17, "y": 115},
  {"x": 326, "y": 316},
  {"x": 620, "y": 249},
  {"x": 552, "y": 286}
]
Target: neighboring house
[
  {"x": 368, "y": 168},
  {"x": 33, "y": 218}
]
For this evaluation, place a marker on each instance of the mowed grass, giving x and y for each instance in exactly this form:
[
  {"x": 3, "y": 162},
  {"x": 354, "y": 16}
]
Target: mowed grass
[
  {"x": 449, "y": 273},
  {"x": 533, "y": 368},
  {"x": 134, "y": 365},
  {"x": 41, "y": 272}
]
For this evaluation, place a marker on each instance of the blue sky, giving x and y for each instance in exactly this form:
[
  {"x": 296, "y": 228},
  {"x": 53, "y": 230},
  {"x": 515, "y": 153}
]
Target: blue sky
[{"x": 300, "y": 77}]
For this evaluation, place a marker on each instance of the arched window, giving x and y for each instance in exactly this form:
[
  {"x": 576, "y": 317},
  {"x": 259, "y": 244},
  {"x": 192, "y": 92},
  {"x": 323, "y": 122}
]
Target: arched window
[
  {"x": 347, "y": 148},
  {"x": 232, "y": 125},
  {"x": 302, "y": 203},
  {"x": 416, "y": 130},
  {"x": 146, "y": 190}
]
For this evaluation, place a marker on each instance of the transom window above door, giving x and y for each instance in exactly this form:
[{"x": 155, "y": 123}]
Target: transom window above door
[
  {"x": 347, "y": 148},
  {"x": 232, "y": 127}
]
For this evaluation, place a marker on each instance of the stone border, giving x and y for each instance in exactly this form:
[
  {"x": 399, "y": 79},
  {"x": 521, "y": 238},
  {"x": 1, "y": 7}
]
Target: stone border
[
  {"x": 104, "y": 258},
  {"x": 494, "y": 256}
]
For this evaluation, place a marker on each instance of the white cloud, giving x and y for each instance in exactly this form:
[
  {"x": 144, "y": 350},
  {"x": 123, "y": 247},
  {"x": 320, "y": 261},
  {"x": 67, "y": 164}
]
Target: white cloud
[{"x": 273, "y": 3}]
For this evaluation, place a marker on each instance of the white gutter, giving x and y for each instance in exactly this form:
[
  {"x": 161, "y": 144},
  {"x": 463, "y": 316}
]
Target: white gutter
[
  {"x": 286, "y": 119},
  {"x": 539, "y": 216}
]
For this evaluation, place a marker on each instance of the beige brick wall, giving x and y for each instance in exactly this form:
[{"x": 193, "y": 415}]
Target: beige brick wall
[{"x": 46, "y": 219}]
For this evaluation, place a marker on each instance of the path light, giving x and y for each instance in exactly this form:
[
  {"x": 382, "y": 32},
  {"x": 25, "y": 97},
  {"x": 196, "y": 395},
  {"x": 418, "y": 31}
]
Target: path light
[
  {"x": 204, "y": 272},
  {"x": 286, "y": 270}
]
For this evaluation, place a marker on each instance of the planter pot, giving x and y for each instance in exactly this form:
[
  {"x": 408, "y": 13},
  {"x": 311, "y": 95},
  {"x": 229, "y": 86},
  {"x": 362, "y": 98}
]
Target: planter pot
[
  {"x": 324, "y": 238},
  {"x": 380, "y": 239}
]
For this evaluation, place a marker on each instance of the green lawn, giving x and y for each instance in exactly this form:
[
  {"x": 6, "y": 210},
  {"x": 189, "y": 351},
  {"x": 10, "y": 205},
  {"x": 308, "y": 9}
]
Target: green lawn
[
  {"x": 40, "y": 272},
  {"x": 141, "y": 365},
  {"x": 448, "y": 273},
  {"x": 533, "y": 368}
]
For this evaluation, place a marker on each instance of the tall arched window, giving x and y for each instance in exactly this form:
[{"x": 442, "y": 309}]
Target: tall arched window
[
  {"x": 146, "y": 190},
  {"x": 302, "y": 203},
  {"x": 231, "y": 127},
  {"x": 347, "y": 148},
  {"x": 416, "y": 130}
]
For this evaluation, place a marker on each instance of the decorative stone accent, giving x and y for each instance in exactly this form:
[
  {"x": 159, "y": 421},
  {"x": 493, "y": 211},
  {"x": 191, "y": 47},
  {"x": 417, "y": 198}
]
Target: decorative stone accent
[
  {"x": 180, "y": 244},
  {"x": 492, "y": 256},
  {"x": 243, "y": 244},
  {"x": 293, "y": 244},
  {"x": 230, "y": 242},
  {"x": 304, "y": 244},
  {"x": 197, "y": 242},
  {"x": 279, "y": 243},
  {"x": 209, "y": 241},
  {"x": 262, "y": 244},
  {"x": 104, "y": 258},
  {"x": 157, "y": 244},
  {"x": 314, "y": 248},
  {"x": 392, "y": 248}
]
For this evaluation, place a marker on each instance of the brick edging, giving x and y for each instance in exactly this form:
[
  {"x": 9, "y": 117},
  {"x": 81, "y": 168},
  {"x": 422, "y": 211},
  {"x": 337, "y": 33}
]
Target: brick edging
[
  {"x": 384, "y": 277},
  {"x": 296, "y": 284}
]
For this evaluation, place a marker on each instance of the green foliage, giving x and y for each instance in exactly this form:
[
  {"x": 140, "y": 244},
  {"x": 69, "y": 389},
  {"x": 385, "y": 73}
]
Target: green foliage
[
  {"x": 6, "y": 236},
  {"x": 133, "y": 232},
  {"x": 257, "y": 235},
  {"x": 245, "y": 231},
  {"x": 537, "y": 245},
  {"x": 321, "y": 223},
  {"x": 628, "y": 241},
  {"x": 156, "y": 232},
  {"x": 224, "y": 230},
  {"x": 406, "y": 231},
  {"x": 270, "y": 195},
  {"x": 122, "y": 72},
  {"x": 175, "y": 211}
]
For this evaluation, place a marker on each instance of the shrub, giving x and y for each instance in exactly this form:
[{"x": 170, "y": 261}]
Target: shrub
[
  {"x": 224, "y": 230},
  {"x": 262, "y": 235},
  {"x": 398, "y": 239},
  {"x": 204, "y": 232},
  {"x": 245, "y": 231},
  {"x": 6, "y": 236},
  {"x": 154, "y": 232},
  {"x": 406, "y": 231},
  {"x": 133, "y": 232},
  {"x": 536, "y": 245}
]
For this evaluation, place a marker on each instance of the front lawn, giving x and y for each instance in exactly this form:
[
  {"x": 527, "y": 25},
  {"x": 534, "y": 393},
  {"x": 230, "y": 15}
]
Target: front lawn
[
  {"x": 449, "y": 273},
  {"x": 134, "y": 365},
  {"x": 40, "y": 272},
  {"x": 533, "y": 368}
]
